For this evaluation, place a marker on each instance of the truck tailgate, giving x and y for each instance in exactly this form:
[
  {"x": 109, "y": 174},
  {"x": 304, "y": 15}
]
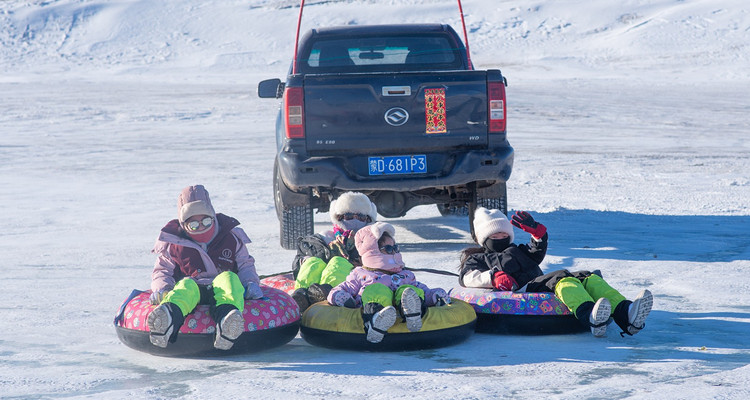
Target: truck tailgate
[{"x": 403, "y": 113}]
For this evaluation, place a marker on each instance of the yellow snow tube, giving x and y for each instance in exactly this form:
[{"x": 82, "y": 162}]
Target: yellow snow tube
[{"x": 343, "y": 328}]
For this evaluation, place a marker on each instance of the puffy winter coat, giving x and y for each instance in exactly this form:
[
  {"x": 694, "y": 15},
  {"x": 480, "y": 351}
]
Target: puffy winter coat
[
  {"x": 387, "y": 269},
  {"x": 521, "y": 262},
  {"x": 180, "y": 257},
  {"x": 325, "y": 246}
]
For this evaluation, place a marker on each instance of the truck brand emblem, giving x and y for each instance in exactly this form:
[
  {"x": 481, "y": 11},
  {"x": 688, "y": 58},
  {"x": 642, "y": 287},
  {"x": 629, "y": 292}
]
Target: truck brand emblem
[{"x": 396, "y": 116}]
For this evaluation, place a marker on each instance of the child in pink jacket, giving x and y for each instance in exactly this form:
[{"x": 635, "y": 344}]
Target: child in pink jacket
[
  {"x": 202, "y": 259},
  {"x": 382, "y": 283}
]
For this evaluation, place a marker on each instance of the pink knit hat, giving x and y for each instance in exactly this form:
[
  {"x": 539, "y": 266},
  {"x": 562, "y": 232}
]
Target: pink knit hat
[{"x": 194, "y": 200}]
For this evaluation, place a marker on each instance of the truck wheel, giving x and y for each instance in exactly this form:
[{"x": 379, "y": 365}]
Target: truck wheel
[
  {"x": 494, "y": 197},
  {"x": 448, "y": 210},
  {"x": 294, "y": 212}
]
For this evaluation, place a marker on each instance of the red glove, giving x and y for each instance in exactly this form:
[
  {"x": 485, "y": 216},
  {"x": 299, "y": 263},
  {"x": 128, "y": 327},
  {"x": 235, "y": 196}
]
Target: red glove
[
  {"x": 503, "y": 281},
  {"x": 524, "y": 221}
]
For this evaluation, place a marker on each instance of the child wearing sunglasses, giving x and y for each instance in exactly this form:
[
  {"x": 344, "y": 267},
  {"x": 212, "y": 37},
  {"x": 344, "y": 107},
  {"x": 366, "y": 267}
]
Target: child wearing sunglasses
[
  {"x": 382, "y": 287},
  {"x": 499, "y": 264},
  {"x": 202, "y": 259},
  {"x": 324, "y": 260}
]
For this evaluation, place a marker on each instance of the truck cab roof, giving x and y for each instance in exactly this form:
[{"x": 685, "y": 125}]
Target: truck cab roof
[
  {"x": 381, "y": 48},
  {"x": 390, "y": 29}
]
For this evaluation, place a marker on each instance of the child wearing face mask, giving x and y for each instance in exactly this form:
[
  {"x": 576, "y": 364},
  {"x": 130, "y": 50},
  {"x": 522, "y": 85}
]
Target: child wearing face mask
[
  {"x": 499, "y": 264},
  {"x": 325, "y": 259},
  {"x": 382, "y": 287},
  {"x": 202, "y": 259}
]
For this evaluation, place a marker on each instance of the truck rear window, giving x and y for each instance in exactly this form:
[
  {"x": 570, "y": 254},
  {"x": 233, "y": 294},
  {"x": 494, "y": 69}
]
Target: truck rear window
[{"x": 382, "y": 54}]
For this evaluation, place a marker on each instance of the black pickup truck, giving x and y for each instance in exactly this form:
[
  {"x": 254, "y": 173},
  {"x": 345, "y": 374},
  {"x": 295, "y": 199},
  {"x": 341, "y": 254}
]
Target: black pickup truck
[{"x": 396, "y": 112}]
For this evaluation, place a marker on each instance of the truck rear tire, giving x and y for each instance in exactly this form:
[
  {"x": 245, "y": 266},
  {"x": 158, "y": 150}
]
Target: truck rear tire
[
  {"x": 449, "y": 210},
  {"x": 494, "y": 197},
  {"x": 294, "y": 211},
  {"x": 295, "y": 223}
]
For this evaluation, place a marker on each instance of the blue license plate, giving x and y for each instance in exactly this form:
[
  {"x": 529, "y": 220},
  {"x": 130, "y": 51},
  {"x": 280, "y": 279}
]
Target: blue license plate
[{"x": 391, "y": 165}]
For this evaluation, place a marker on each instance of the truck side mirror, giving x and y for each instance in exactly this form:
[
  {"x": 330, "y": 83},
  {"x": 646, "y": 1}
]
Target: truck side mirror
[{"x": 271, "y": 89}]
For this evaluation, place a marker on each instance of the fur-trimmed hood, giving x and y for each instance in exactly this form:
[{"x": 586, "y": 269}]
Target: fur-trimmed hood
[{"x": 366, "y": 241}]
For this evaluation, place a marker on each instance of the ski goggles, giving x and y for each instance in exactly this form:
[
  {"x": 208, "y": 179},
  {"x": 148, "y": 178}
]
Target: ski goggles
[
  {"x": 351, "y": 216},
  {"x": 388, "y": 249},
  {"x": 195, "y": 225}
]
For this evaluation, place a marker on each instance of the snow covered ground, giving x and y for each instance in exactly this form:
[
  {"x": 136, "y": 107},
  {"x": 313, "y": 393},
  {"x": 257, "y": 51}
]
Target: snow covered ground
[{"x": 630, "y": 124}]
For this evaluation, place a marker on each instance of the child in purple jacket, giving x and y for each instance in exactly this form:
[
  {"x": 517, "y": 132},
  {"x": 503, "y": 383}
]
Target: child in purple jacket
[
  {"x": 382, "y": 283},
  {"x": 202, "y": 259}
]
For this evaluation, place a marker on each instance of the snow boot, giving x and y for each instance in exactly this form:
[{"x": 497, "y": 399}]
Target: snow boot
[
  {"x": 595, "y": 316},
  {"x": 164, "y": 323},
  {"x": 317, "y": 293},
  {"x": 301, "y": 296},
  {"x": 411, "y": 306},
  {"x": 631, "y": 316},
  {"x": 378, "y": 323},
  {"x": 230, "y": 327}
]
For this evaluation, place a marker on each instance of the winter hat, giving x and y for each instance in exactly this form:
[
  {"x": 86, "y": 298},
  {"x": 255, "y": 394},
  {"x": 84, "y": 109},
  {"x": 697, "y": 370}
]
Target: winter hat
[
  {"x": 366, "y": 241},
  {"x": 352, "y": 202},
  {"x": 488, "y": 222},
  {"x": 194, "y": 200}
]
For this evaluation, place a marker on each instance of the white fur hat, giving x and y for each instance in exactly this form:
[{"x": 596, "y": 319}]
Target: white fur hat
[
  {"x": 352, "y": 202},
  {"x": 487, "y": 222}
]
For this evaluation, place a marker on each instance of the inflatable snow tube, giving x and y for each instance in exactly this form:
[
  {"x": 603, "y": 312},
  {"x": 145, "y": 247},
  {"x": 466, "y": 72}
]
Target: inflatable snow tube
[
  {"x": 519, "y": 313},
  {"x": 283, "y": 282},
  {"x": 342, "y": 328},
  {"x": 270, "y": 321}
]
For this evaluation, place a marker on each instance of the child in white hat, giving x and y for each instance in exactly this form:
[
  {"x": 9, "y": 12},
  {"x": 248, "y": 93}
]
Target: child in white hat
[
  {"x": 499, "y": 264},
  {"x": 324, "y": 260}
]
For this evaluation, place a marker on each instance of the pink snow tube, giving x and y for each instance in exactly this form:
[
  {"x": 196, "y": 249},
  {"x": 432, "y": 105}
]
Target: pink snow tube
[{"x": 269, "y": 322}]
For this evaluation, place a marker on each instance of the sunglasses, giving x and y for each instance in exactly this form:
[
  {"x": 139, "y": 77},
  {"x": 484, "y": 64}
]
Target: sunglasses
[
  {"x": 195, "y": 225},
  {"x": 351, "y": 216},
  {"x": 388, "y": 249}
]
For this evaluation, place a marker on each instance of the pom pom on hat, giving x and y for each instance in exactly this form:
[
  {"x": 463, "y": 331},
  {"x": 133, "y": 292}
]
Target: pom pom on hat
[
  {"x": 194, "y": 200},
  {"x": 352, "y": 202},
  {"x": 488, "y": 222}
]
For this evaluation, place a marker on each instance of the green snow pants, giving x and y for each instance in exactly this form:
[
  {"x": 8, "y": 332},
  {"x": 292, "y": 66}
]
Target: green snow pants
[
  {"x": 383, "y": 295},
  {"x": 315, "y": 270},
  {"x": 227, "y": 289},
  {"x": 574, "y": 292}
]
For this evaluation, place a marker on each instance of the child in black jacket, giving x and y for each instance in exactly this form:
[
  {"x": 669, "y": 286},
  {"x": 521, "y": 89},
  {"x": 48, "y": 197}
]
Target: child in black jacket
[{"x": 499, "y": 264}]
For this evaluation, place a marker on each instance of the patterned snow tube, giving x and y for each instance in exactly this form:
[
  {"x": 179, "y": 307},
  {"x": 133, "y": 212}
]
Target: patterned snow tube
[
  {"x": 283, "y": 282},
  {"x": 342, "y": 328},
  {"x": 519, "y": 313},
  {"x": 269, "y": 322}
]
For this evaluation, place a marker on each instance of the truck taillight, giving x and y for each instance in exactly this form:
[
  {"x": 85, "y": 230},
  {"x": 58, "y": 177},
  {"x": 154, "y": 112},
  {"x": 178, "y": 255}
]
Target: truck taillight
[
  {"x": 294, "y": 107},
  {"x": 496, "y": 106}
]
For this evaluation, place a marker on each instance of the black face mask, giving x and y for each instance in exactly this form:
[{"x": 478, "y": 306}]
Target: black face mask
[{"x": 497, "y": 245}]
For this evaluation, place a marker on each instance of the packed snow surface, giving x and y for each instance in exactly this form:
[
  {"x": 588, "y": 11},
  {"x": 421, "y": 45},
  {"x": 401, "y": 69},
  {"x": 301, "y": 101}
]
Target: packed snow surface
[{"x": 630, "y": 124}]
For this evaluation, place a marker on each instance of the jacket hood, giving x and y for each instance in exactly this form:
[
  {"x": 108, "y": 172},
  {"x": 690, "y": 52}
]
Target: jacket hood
[
  {"x": 366, "y": 242},
  {"x": 194, "y": 200}
]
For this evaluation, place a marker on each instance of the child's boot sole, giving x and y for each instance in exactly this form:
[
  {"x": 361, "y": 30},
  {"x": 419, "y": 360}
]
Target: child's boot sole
[
  {"x": 229, "y": 329},
  {"x": 412, "y": 307},
  {"x": 639, "y": 310},
  {"x": 381, "y": 322},
  {"x": 160, "y": 325},
  {"x": 600, "y": 317}
]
